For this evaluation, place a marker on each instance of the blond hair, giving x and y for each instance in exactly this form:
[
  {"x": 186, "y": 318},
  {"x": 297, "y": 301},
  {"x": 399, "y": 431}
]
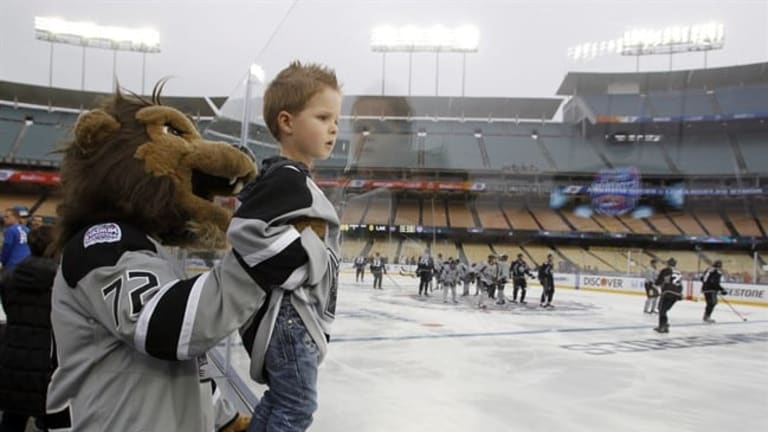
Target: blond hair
[{"x": 292, "y": 88}]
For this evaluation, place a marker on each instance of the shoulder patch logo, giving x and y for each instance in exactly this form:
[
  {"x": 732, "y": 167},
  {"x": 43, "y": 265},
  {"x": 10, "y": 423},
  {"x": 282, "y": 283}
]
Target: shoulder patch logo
[{"x": 103, "y": 233}]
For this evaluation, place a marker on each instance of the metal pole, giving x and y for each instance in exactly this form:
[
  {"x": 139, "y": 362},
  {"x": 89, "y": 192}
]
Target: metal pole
[
  {"x": 434, "y": 229},
  {"x": 754, "y": 267},
  {"x": 383, "y": 71},
  {"x": 629, "y": 261},
  {"x": 50, "y": 67},
  {"x": 82, "y": 71},
  {"x": 437, "y": 72},
  {"x": 143, "y": 70},
  {"x": 246, "y": 113},
  {"x": 463, "y": 72},
  {"x": 114, "y": 69},
  {"x": 410, "y": 70}
]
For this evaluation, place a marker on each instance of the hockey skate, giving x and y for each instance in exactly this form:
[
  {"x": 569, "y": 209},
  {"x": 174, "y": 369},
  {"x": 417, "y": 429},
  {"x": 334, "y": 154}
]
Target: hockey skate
[
  {"x": 708, "y": 320},
  {"x": 662, "y": 329}
]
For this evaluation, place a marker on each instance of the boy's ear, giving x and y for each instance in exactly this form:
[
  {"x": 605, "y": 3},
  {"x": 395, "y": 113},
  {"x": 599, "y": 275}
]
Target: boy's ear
[{"x": 285, "y": 123}]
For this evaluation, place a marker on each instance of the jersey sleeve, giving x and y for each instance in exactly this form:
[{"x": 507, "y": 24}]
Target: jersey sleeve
[
  {"x": 274, "y": 251},
  {"x": 137, "y": 295},
  {"x": 9, "y": 239}
]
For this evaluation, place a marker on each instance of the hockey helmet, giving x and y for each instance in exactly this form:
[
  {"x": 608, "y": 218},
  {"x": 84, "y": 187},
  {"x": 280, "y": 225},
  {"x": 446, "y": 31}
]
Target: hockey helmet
[
  {"x": 718, "y": 264},
  {"x": 671, "y": 262}
]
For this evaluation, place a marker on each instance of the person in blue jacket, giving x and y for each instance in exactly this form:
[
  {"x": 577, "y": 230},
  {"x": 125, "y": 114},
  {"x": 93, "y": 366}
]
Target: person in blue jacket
[{"x": 15, "y": 247}]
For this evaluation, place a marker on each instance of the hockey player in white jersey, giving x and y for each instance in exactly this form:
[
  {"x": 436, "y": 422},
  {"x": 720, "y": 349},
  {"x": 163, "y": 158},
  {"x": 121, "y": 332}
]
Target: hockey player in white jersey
[{"x": 451, "y": 277}]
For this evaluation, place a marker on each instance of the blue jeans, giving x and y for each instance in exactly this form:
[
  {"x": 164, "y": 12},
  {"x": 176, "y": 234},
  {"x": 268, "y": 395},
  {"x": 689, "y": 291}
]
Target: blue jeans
[{"x": 291, "y": 370}]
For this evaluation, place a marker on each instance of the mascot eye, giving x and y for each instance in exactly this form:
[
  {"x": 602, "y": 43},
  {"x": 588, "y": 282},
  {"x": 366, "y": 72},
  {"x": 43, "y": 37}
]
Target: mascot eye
[{"x": 168, "y": 128}]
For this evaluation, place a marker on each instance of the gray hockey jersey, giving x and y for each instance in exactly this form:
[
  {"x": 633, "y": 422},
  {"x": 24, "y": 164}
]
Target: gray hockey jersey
[
  {"x": 288, "y": 262},
  {"x": 131, "y": 333}
]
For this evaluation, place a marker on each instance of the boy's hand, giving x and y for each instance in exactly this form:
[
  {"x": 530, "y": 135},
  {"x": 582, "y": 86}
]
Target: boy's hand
[{"x": 318, "y": 225}]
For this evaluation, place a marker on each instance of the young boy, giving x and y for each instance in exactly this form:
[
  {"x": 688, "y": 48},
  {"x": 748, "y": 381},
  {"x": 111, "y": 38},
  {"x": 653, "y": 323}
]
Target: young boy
[{"x": 296, "y": 259}]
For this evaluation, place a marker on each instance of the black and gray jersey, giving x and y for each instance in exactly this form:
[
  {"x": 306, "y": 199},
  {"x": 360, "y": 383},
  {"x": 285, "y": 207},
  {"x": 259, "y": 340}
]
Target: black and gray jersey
[
  {"x": 671, "y": 281},
  {"x": 130, "y": 327},
  {"x": 711, "y": 280}
]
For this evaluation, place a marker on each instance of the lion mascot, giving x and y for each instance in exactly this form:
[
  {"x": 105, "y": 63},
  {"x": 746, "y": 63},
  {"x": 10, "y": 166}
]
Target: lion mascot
[{"x": 131, "y": 330}]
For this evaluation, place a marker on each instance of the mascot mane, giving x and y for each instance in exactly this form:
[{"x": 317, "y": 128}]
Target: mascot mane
[{"x": 137, "y": 161}]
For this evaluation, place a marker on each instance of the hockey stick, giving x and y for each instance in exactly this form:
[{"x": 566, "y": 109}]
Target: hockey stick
[{"x": 743, "y": 318}]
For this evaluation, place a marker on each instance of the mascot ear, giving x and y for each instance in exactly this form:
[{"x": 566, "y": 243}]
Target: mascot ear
[{"x": 93, "y": 127}]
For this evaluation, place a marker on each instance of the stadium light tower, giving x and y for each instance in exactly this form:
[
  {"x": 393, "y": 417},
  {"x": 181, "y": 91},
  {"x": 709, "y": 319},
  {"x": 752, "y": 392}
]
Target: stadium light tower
[
  {"x": 645, "y": 41},
  {"x": 437, "y": 39},
  {"x": 89, "y": 35}
]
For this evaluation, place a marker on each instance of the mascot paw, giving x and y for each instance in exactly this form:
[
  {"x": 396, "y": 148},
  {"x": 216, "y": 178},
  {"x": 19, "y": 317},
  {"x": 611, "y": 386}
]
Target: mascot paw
[
  {"x": 317, "y": 225},
  {"x": 239, "y": 425}
]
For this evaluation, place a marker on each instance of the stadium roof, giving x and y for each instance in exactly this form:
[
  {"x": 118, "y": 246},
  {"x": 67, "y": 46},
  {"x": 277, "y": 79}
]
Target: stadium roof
[
  {"x": 75, "y": 99},
  {"x": 451, "y": 107},
  {"x": 586, "y": 83}
]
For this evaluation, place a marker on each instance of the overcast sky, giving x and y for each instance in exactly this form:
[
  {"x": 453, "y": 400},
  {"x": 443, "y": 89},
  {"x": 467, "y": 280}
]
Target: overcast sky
[{"x": 209, "y": 44}]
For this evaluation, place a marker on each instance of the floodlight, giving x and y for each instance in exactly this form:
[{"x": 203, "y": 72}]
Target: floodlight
[
  {"x": 437, "y": 38},
  {"x": 257, "y": 72},
  {"x": 91, "y": 35}
]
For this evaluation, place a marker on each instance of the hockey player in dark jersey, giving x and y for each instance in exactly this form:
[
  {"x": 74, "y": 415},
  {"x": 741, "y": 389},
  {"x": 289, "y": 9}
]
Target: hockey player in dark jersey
[
  {"x": 425, "y": 269},
  {"x": 711, "y": 288},
  {"x": 519, "y": 271},
  {"x": 359, "y": 264},
  {"x": 547, "y": 282},
  {"x": 377, "y": 270},
  {"x": 671, "y": 282}
]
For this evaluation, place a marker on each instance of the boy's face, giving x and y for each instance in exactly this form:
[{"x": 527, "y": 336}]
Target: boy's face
[{"x": 311, "y": 133}]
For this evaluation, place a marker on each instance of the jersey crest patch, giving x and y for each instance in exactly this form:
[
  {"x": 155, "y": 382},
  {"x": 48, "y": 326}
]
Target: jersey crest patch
[{"x": 103, "y": 233}]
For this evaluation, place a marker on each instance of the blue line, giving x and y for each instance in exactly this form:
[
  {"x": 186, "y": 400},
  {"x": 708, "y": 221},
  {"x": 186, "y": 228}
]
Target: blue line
[{"x": 520, "y": 332}]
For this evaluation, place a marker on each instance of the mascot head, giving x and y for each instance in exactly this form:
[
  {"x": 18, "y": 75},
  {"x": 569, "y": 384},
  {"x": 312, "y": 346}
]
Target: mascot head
[{"x": 136, "y": 161}]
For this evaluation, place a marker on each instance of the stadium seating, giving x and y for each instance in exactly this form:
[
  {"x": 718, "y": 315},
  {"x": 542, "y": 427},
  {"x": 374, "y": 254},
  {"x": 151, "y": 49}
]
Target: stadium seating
[
  {"x": 549, "y": 220},
  {"x": 519, "y": 218},
  {"x": 452, "y": 152},
  {"x": 687, "y": 224},
  {"x": 506, "y": 151},
  {"x": 445, "y": 247},
  {"x": 490, "y": 214},
  {"x": 637, "y": 226},
  {"x": 713, "y": 223},
  {"x": 351, "y": 248},
  {"x": 539, "y": 253},
  {"x": 378, "y": 211},
  {"x": 663, "y": 225},
  {"x": 583, "y": 224},
  {"x": 610, "y": 223},
  {"x": 353, "y": 211},
  {"x": 408, "y": 212},
  {"x": 744, "y": 223},
  {"x": 9, "y": 129},
  {"x": 434, "y": 213},
  {"x": 459, "y": 215},
  {"x": 477, "y": 252}
]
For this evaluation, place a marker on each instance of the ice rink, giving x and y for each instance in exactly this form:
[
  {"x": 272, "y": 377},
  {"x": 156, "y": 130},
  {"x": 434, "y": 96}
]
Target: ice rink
[{"x": 399, "y": 362}]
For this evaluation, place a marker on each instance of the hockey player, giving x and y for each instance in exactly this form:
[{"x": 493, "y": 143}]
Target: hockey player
[
  {"x": 486, "y": 279},
  {"x": 711, "y": 288},
  {"x": 360, "y": 263},
  {"x": 467, "y": 276},
  {"x": 547, "y": 282},
  {"x": 425, "y": 270},
  {"x": 651, "y": 290},
  {"x": 451, "y": 276},
  {"x": 440, "y": 266},
  {"x": 519, "y": 270},
  {"x": 502, "y": 277},
  {"x": 671, "y": 282},
  {"x": 377, "y": 270}
]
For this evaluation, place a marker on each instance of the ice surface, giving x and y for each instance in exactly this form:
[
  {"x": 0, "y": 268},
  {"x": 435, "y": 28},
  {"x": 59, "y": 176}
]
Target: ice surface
[{"x": 400, "y": 363}]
